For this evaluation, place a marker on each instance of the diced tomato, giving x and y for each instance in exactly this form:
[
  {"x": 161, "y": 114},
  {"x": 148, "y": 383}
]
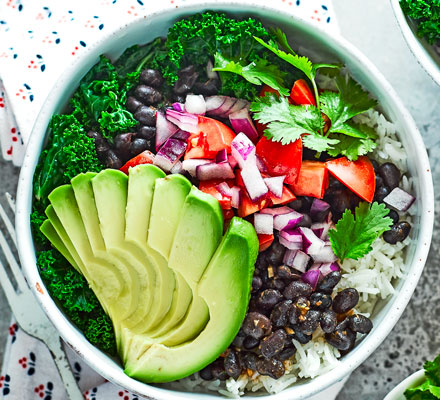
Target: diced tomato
[
  {"x": 267, "y": 89},
  {"x": 209, "y": 187},
  {"x": 265, "y": 241},
  {"x": 286, "y": 197},
  {"x": 146, "y": 157},
  {"x": 247, "y": 207},
  {"x": 357, "y": 175},
  {"x": 198, "y": 147},
  {"x": 228, "y": 214},
  {"x": 281, "y": 159},
  {"x": 301, "y": 94},
  {"x": 312, "y": 180}
]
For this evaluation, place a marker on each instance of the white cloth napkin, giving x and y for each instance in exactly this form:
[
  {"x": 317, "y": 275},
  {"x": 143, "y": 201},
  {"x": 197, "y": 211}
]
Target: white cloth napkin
[{"x": 38, "y": 40}]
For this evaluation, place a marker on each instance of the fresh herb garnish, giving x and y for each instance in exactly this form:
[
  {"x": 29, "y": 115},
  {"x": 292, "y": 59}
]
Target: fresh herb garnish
[
  {"x": 258, "y": 72},
  {"x": 354, "y": 234},
  {"x": 430, "y": 389},
  {"x": 427, "y": 15},
  {"x": 286, "y": 123}
]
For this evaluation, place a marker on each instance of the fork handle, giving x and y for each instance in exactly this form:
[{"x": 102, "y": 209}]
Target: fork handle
[{"x": 63, "y": 366}]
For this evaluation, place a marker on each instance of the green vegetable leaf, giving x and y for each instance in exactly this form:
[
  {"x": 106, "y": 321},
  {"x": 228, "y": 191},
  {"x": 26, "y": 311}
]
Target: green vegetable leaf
[
  {"x": 257, "y": 72},
  {"x": 319, "y": 143},
  {"x": 425, "y": 391},
  {"x": 286, "y": 123},
  {"x": 354, "y": 234},
  {"x": 351, "y": 147},
  {"x": 432, "y": 370},
  {"x": 427, "y": 15}
]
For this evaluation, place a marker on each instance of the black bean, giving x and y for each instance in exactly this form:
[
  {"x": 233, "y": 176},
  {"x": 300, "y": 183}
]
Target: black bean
[
  {"x": 249, "y": 360},
  {"x": 339, "y": 200},
  {"x": 273, "y": 368},
  {"x": 306, "y": 203},
  {"x": 146, "y": 132},
  {"x": 343, "y": 325},
  {"x": 102, "y": 147},
  {"x": 360, "y": 323},
  {"x": 276, "y": 254},
  {"x": 277, "y": 284},
  {"x": 138, "y": 145},
  {"x": 286, "y": 354},
  {"x": 297, "y": 289},
  {"x": 256, "y": 325},
  {"x": 133, "y": 104},
  {"x": 397, "y": 233},
  {"x": 111, "y": 160},
  {"x": 273, "y": 344},
  {"x": 208, "y": 88},
  {"x": 293, "y": 314},
  {"x": 376, "y": 165},
  {"x": 390, "y": 175},
  {"x": 146, "y": 115},
  {"x": 345, "y": 300},
  {"x": 306, "y": 221},
  {"x": 296, "y": 204},
  {"x": 268, "y": 298},
  {"x": 232, "y": 364},
  {"x": 381, "y": 193},
  {"x": 257, "y": 283},
  {"x": 328, "y": 321},
  {"x": 179, "y": 98},
  {"x": 206, "y": 373},
  {"x": 379, "y": 181},
  {"x": 239, "y": 339},
  {"x": 218, "y": 370},
  {"x": 300, "y": 336},
  {"x": 394, "y": 216},
  {"x": 320, "y": 301},
  {"x": 250, "y": 343},
  {"x": 151, "y": 77},
  {"x": 187, "y": 78},
  {"x": 94, "y": 135},
  {"x": 303, "y": 304},
  {"x": 329, "y": 282},
  {"x": 342, "y": 340},
  {"x": 280, "y": 313},
  {"x": 122, "y": 143},
  {"x": 309, "y": 322},
  {"x": 147, "y": 95}
]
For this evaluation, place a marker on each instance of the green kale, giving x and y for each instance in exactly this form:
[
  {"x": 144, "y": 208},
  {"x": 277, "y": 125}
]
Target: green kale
[
  {"x": 77, "y": 300},
  {"x": 427, "y": 14},
  {"x": 37, "y": 218},
  {"x": 69, "y": 152}
]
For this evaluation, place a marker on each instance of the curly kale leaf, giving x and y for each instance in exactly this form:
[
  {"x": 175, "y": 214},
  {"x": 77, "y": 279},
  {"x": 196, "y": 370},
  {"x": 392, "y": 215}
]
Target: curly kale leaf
[
  {"x": 77, "y": 300},
  {"x": 427, "y": 14}
]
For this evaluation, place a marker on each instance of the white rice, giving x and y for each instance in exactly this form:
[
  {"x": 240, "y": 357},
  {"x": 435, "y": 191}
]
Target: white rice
[{"x": 372, "y": 276}]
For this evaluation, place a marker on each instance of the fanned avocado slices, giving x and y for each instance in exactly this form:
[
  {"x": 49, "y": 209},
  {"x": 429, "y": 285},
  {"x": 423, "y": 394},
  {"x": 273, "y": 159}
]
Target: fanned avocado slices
[{"x": 151, "y": 247}]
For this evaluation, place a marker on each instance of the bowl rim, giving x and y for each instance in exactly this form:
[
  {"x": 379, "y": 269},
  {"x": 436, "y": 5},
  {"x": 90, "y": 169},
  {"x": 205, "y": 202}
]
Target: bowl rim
[
  {"x": 414, "y": 43},
  {"x": 97, "y": 359},
  {"x": 414, "y": 379}
]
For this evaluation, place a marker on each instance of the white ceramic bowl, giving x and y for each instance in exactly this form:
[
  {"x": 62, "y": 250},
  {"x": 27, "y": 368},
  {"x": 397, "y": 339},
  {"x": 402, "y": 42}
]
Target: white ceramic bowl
[
  {"x": 412, "y": 381},
  {"x": 425, "y": 54},
  {"x": 312, "y": 40}
]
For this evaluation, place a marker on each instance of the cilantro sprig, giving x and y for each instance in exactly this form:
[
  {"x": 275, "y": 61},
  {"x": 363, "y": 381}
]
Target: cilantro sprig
[
  {"x": 430, "y": 389},
  {"x": 354, "y": 234}
]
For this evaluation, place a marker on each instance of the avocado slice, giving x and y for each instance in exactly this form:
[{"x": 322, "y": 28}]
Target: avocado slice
[{"x": 225, "y": 286}]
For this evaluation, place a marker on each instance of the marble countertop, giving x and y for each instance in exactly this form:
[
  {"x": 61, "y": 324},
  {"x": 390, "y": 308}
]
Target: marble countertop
[{"x": 370, "y": 25}]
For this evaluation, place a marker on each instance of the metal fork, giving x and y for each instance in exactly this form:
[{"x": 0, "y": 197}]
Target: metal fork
[{"x": 30, "y": 317}]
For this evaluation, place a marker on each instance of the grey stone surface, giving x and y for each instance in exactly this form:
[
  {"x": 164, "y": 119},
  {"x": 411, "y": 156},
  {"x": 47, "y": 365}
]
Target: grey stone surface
[{"x": 371, "y": 26}]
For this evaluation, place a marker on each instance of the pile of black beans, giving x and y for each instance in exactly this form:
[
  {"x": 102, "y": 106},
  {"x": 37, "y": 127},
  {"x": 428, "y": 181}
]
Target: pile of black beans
[{"x": 282, "y": 308}]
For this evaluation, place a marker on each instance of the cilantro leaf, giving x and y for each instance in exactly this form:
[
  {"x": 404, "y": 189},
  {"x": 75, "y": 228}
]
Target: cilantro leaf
[
  {"x": 258, "y": 72},
  {"x": 353, "y": 237},
  {"x": 286, "y": 123},
  {"x": 319, "y": 143},
  {"x": 351, "y": 147}
]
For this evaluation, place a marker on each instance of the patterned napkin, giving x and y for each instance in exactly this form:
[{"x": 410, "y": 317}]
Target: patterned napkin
[{"x": 38, "y": 40}]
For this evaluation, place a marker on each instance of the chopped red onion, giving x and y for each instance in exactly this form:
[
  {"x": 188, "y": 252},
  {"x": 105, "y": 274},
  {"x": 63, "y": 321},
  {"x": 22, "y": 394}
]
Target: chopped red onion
[
  {"x": 185, "y": 121},
  {"x": 287, "y": 221},
  {"x": 311, "y": 277},
  {"x": 191, "y": 165},
  {"x": 239, "y": 105},
  {"x": 214, "y": 103},
  {"x": 261, "y": 165},
  {"x": 326, "y": 268},
  {"x": 291, "y": 239},
  {"x": 177, "y": 169},
  {"x": 232, "y": 161},
  {"x": 243, "y": 150},
  {"x": 277, "y": 211},
  {"x": 224, "y": 189},
  {"x": 312, "y": 243},
  {"x": 179, "y": 107},
  {"x": 222, "y": 156},
  {"x": 253, "y": 182},
  {"x": 321, "y": 229},
  {"x": 242, "y": 123},
  {"x": 209, "y": 72},
  {"x": 263, "y": 224},
  {"x": 325, "y": 255},
  {"x": 169, "y": 154},
  {"x": 399, "y": 200},
  {"x": 195, "y": 104},
  {"x": 296, "y": 259},
  {"x": 224, "y": 109},
  {"x": 275, "y": 185},
  {"x": 181, "y": 135},
  {"x": 164, "y": 129},
  {"x": 210, "y": 171},
  {"x": 236, "y": 196},
  {"x": 319, "y": 210}
]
